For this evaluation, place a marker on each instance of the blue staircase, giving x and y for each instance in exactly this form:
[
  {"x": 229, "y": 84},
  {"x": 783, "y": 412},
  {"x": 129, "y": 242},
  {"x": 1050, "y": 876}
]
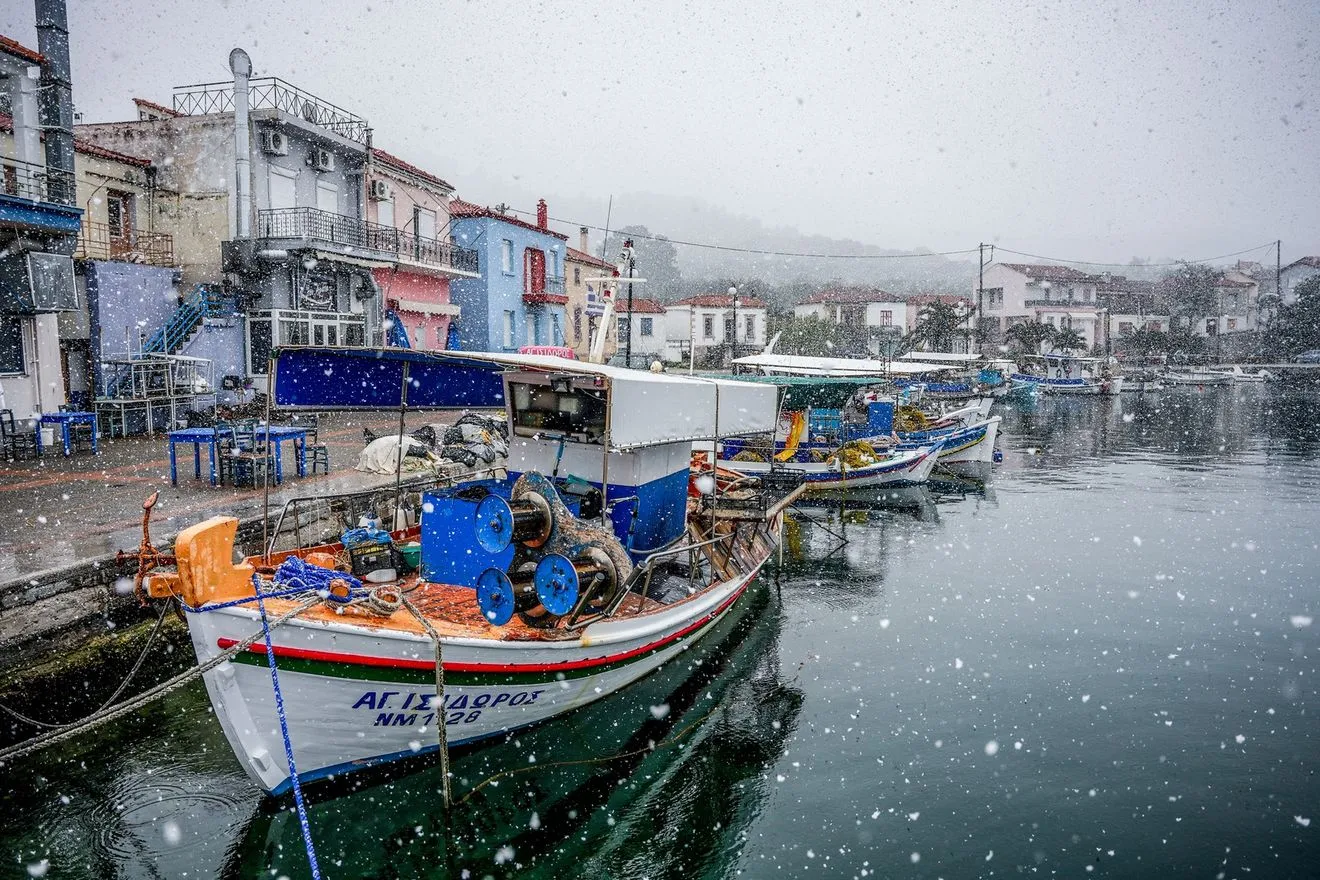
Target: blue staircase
[{"x": 201, "y": 303}]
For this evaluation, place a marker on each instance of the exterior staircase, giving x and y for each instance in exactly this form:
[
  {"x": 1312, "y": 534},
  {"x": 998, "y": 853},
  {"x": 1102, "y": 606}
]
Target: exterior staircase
[{"x": 201, "y": 303}]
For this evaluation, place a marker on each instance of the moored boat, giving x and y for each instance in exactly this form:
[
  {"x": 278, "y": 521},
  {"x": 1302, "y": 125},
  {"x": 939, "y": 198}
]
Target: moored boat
[
  {"x": 599, "y": 558},
  {"x": 1064, "y": 374}
]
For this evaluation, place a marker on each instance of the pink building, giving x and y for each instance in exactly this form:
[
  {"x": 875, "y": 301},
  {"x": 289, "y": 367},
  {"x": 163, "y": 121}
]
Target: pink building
[{"x": 411, "y": 207}]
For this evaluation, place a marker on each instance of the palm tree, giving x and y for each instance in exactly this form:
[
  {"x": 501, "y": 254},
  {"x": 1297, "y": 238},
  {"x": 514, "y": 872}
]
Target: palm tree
[
  {"x": 1067, "y": 339},
  {"x": 938, "y": 324},
  {"x": 1030, "y": 335}
]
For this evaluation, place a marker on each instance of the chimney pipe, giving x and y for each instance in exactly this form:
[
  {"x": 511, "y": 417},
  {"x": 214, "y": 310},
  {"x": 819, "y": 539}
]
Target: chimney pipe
[
  {"x": 56, "y": 100},
  {"x": 241, "y": 65},
  {"x": 542, "y": 215},
  {"x": 582, "y": 240}
]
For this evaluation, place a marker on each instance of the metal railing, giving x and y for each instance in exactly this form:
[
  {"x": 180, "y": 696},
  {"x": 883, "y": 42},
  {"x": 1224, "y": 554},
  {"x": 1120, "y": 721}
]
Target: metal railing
[
  {"x": 337, "y": 230},
  {"x": 23, "y": 180},
  {"x": 1060, "y": 302},
  {"x": 554, "y": 284},
  {"x": 271, "y": 93},
  {"x": 97, "y": 242}
]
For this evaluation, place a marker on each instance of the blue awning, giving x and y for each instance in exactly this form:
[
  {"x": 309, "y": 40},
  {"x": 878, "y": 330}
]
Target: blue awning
[{"x": 364, "y": 378}]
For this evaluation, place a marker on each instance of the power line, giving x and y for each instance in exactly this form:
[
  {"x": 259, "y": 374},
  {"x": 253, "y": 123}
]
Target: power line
[
  {"x": 739, "y": 250},
  {"x": 1134, "y": 265}
]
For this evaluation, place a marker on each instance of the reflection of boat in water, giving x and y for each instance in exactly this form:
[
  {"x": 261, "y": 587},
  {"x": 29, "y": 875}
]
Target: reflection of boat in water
[
  {"x": 718, "y": 714},
  {"x": 915, "y": 500}
]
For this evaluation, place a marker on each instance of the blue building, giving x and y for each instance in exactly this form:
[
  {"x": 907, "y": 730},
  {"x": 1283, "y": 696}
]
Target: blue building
[{"x": 519, "y": 297}]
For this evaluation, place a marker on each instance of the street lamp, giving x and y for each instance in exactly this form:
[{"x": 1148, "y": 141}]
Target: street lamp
[{"x": 733, "y": 295}]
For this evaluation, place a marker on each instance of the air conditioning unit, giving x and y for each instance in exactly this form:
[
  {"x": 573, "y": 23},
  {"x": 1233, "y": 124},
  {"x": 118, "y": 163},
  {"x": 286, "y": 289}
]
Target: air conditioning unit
[
  {"x": 380, "y": 190},
  {"x": 322, "y": 160},
  {"x": 276, "y": 143}
]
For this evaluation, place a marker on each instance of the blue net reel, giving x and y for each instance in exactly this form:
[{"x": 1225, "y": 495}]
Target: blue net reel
[
  {"x": 500, "y": 523},
  {"x": 495, "y": 596},
  {"x": 557, "y": 583}
]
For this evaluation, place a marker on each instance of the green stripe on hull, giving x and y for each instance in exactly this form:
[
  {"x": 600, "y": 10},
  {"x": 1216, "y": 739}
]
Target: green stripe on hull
[{"x": 362, "y": 672}]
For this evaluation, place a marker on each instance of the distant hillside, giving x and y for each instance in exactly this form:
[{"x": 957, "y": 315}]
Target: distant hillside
[{"x": 691, "y": 219}]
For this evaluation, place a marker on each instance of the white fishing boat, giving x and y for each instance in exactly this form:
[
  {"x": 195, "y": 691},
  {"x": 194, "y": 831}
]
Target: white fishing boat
[
  {"x": 1065, "y": 374},
  {"x": 1240, "y": 376},
  {"x": 1201, "y": 377},
  {"x": 529, "y": 601},
  {"x": 836, "y": 474}
]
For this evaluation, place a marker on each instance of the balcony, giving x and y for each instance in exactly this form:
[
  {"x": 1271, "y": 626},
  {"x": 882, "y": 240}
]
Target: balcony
[
  {"x": 97, "y": 242},
  {"x": 314, "y": 228},
  {"x": 25, "y": 198},
  {"x": 272, "y": 93},
  {"x": 551, "y": 293},
  {"x": 1061, "y": 303}
]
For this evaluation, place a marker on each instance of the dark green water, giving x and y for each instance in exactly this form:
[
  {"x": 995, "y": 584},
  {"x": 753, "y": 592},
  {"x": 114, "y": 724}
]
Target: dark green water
[{"x": 1101, "y": 665}]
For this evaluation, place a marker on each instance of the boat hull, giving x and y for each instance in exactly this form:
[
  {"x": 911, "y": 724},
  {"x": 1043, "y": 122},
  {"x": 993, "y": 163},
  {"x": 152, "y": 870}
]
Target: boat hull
[
  {"x": 356, "y": 696},
  {"x": 905, "y": 469},
  {"x": 1085, "y": 387},
  {"x": 974, "y": 443}
]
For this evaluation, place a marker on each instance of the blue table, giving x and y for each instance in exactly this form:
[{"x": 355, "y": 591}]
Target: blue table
[
  {"x": 276, "y": 435},
  {"x": 64, "y": 420}
]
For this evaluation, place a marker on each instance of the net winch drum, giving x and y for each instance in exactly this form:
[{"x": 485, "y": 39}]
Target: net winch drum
[
  {"x": 550, "y": 591},
  {"x": 499, "y": 523}
]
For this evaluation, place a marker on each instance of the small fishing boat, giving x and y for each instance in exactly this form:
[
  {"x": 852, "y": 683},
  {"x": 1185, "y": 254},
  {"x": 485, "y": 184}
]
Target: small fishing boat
[
  {"x": 600, "y": 556},
  {"x": 852, "y": 467},
  {"x": 1200, "y": 377},
  {"x": 1065, "y": 374},
  {"x": 1240, "y": 376}
]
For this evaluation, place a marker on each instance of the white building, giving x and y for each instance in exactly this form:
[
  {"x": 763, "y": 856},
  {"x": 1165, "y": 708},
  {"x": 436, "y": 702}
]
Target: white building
[
  {"x": 647, "y": 327},
  {"x": 1062, "y": 297},
  {"x": 867, "y": 307},
  {"x": 1294, "y": 274},
  {"x": 709, "y": 322}
]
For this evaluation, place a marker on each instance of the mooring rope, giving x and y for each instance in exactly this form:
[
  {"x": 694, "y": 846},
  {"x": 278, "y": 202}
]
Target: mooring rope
[
  {"x": 439, "y": 695},
  {"x": 118, "y": 691},
  {"x": 96, "y": 719},
  {"x": 288, "y": 744}
]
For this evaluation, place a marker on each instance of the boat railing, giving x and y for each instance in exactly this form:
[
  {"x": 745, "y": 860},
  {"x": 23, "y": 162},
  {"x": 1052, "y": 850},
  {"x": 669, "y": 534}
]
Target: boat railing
[{"x": 320, "y": 519}]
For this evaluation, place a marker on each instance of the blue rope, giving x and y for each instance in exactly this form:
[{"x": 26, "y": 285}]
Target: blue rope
[
  {"x": 288, "y": 745},
  {"x": 298, "y": 577},
  {"x": 212, "y": 606}
]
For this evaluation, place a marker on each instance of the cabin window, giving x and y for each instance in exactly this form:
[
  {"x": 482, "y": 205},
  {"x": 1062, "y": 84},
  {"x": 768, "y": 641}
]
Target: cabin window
[{"x": 578, "y": 413}]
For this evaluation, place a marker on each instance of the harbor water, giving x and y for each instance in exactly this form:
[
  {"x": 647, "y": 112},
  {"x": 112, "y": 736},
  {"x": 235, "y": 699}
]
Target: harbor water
[{"x": 1101, "y": 662}]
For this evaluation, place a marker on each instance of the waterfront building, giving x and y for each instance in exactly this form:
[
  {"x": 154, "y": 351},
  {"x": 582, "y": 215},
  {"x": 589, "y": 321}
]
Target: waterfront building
[
  {"x": 713, "y": 328},
  {"x": 1293, "y": 274},
  {"x": 646, "y": 322},
  {"x": 279, "y": 177},
  {"x": 410, "y": 207},
  {"x": 39, "y": 222},
  {"x": 1058, "y": 296},
  {"x": 586, "y": 298},
  {"x": 882, "y": 314},
  {"x": 516, "y": 296}
]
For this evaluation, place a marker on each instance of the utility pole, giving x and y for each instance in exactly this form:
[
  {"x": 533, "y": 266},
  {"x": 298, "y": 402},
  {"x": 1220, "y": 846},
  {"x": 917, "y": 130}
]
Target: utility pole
[
  {"x": 733, "y": 295},
  {"x": 1278, "y": 271},
  {"x": 980, "y": 289}
]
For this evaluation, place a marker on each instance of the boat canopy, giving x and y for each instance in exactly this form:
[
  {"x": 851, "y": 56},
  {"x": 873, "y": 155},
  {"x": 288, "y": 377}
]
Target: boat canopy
[
  {"x": 804, "y": 365},
  {"x": 646, "y": 409},
  {"x": 814, "y": 392},
  {"x": 939, "y": 357}
]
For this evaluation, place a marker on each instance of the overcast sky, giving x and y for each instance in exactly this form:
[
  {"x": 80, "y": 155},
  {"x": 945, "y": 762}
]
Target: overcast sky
[{"x": 1087, "y": 129}]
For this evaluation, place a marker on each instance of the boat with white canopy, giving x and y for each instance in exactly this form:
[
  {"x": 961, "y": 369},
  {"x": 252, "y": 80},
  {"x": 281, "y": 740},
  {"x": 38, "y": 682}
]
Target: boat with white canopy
[{"x": 599, "y": 557}]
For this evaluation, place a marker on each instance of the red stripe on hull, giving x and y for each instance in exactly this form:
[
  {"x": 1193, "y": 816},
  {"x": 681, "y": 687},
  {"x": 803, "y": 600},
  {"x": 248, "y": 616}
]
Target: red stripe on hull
[{"x": 491, "y": 668}]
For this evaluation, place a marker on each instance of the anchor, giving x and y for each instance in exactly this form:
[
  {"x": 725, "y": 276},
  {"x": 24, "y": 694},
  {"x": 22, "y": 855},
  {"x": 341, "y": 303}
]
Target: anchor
[{"x": 148, "y": 557}]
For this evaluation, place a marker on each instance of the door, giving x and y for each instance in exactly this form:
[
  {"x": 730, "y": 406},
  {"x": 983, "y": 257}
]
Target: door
[
  {"x": 119, "y": 222},
  {"x": 534, "y": 272}
]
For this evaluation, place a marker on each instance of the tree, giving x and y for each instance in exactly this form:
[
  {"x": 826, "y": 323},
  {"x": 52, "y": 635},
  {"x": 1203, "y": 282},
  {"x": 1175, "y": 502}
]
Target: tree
[
  {"x": 938, "y": 325},
  {"x": 1067, "y": 339},
  {"x": 657, "y": 262},
  {"x": 1297, "y": 327},
  {"x": 1144, "y": 342},
  {"x": 814, "y": 337},
  {"x": 1191, "y": 291},
  {"x": 1030, "y": 335}
]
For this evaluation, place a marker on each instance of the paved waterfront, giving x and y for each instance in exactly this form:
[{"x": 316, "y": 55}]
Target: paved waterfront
[{"x": 65, "y": 510}]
